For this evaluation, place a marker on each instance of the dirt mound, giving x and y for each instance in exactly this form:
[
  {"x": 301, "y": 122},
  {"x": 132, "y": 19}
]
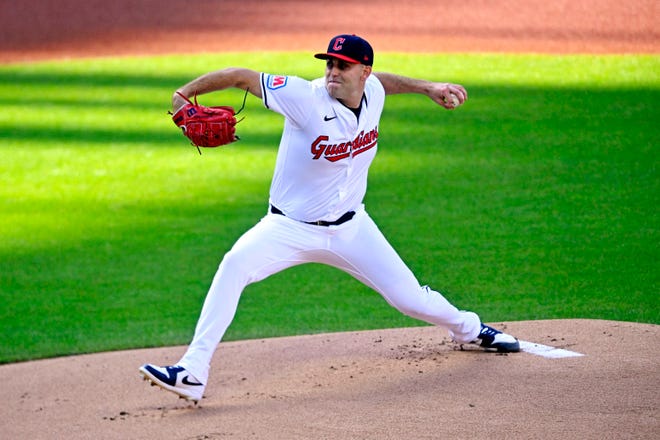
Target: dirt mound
[{"x": 383, "y": 384}]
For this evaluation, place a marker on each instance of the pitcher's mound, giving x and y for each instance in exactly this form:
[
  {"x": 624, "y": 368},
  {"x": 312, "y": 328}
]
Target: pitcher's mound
[{"x": 410, "y": 383}]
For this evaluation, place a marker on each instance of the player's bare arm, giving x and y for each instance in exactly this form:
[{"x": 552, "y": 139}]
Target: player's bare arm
[
  {"x": 235, "y": 77},
  {"x": 447, "y": 95}
]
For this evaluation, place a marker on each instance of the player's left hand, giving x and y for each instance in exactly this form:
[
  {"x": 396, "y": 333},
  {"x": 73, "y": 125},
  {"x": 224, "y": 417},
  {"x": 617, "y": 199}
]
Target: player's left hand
[
  {"x": 448, "y": 95},
  {"x": 206, "y": 126}
]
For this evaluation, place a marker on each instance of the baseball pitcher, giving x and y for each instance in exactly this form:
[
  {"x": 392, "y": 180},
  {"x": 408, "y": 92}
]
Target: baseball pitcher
[{"x": 315, "y": 212}]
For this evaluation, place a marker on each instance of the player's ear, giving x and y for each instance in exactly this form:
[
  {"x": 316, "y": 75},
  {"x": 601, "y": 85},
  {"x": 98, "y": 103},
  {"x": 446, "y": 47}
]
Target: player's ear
[{"x": 366, "y": 71}]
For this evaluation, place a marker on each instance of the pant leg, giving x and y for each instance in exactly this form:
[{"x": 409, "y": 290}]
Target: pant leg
[
  {"x": 365, "y": 253},
  {"x": 272, "y": 245}
]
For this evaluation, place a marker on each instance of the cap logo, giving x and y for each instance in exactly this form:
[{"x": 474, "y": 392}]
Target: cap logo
[{"x": 338, "y": 43}]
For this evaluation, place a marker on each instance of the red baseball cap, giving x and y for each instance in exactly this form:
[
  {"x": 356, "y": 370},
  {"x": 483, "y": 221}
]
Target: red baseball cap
[{"x": 350, "y": 48}]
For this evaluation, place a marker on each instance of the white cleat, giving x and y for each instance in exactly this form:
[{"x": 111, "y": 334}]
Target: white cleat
[
  {"x": 175, "y": 379},
  {"x": 492, "y": 339}
]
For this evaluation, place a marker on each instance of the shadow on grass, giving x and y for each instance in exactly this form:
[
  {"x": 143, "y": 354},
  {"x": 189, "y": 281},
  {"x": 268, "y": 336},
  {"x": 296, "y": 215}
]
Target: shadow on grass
[{"x": 525, "y": 195}]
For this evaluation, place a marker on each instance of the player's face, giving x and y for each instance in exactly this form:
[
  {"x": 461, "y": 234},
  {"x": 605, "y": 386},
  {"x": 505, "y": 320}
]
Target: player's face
[{"x": 345, "y": 80}]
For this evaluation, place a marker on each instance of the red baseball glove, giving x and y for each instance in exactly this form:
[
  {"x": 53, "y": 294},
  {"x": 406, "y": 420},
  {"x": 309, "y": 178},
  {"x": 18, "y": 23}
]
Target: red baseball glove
[{"x": 206, "y": 126}]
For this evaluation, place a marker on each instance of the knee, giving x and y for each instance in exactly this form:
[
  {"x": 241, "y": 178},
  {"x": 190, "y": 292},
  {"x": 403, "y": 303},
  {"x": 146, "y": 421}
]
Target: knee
[{"x": 233, "y": 264}]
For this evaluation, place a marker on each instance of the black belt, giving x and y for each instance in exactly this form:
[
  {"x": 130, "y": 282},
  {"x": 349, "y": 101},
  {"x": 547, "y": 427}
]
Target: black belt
[{"x": 343, "y": 219}]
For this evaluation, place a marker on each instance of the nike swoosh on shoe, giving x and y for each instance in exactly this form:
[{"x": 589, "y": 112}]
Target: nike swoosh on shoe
[{"x": 187, "y": 382}]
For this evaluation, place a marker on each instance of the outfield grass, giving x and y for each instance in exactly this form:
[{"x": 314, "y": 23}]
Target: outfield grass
[{"x": 536, "y": 200}]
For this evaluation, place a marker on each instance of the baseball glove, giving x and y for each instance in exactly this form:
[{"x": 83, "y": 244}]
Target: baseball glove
[{"x": 206, "y": 127}]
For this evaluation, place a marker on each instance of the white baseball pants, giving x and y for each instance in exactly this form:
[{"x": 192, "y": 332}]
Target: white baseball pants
[{"x": 356, "y": 247}]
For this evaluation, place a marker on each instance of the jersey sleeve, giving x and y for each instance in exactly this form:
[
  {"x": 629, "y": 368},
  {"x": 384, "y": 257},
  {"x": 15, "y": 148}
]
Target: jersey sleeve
[{"x": 288, "y": 95}]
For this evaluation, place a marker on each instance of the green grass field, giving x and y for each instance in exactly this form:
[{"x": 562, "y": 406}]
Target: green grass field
[{"x": 536, "y": 200}]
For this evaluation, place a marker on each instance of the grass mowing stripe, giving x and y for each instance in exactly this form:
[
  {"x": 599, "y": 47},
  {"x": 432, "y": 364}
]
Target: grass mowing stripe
[{"x": 537, "y": 199}]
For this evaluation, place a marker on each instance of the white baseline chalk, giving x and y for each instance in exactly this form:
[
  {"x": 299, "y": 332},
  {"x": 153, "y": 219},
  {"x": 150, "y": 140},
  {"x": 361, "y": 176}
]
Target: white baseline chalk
[{"x": 546, "y": 351}]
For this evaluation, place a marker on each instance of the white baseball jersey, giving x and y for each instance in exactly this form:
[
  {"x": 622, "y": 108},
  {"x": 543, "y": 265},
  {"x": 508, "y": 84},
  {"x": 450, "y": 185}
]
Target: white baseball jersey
[{"x": 325, "y": 150}]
